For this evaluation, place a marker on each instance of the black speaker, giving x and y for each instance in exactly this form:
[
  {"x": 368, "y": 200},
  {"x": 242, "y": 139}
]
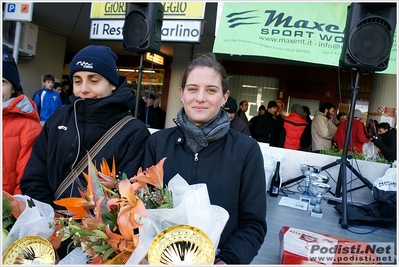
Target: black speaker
[
  {"x": 142, "y": 27},
  {"x": 369, "y": 32}
]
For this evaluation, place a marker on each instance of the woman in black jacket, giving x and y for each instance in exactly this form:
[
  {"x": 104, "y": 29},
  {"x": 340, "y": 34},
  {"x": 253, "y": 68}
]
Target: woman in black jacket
[
  {"x": 202, "y": 148},
  {"x": 100, "y": 99}
]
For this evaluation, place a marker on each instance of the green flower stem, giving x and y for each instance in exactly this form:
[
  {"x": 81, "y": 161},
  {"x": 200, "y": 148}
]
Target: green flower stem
[
  {"x": 101, "y": 234},
  {"x": 110, "y": 191},
  {"x": 108, "y": 253},
  {"x": 83, "y": 232},
  {"x": 102, "y": 248}
]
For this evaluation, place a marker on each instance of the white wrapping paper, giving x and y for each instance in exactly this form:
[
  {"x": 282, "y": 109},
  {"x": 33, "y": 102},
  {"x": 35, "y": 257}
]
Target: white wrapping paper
[{"x": 34, "y": 220}]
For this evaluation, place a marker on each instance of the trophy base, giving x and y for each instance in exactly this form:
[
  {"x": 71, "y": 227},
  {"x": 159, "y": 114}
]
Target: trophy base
[{"x": 317, "y": 215}]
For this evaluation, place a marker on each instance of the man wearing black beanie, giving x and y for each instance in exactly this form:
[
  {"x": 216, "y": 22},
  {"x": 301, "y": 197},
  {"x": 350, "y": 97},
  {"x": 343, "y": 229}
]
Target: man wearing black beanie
[
  {"x": 236, "y": 123},
  {"x": 266, "y": 128},
  {"x": 254, "y": 120},
  {"x": 100, "y": 99}
]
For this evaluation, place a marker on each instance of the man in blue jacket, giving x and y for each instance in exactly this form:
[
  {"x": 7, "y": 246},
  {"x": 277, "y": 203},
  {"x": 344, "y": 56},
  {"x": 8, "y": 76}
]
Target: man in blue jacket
[{"x": 47, "y": 99}]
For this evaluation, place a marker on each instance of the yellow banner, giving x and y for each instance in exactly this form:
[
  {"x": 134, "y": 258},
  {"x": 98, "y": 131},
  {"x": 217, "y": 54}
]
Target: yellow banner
[{"x": 172, "y": 10}]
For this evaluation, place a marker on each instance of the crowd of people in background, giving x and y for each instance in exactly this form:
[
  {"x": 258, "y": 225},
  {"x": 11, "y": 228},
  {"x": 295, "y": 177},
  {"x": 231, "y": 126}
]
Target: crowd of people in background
[{"x": 296, "y": 130}]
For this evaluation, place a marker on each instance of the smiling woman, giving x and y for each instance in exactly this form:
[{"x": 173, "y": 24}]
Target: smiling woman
[
  {"x": 202, "y": 96},
  {"x": 202, "y": 137}
]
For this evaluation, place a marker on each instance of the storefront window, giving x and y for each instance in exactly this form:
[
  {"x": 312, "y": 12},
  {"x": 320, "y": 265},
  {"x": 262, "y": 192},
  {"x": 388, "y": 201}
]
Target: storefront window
[
  {"x": 257, "y": 90},
  {"x": 151, "y": 80}
]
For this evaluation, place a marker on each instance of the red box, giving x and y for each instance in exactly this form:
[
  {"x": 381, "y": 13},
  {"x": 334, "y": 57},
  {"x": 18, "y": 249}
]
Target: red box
[{"x": 299, "y": 246}]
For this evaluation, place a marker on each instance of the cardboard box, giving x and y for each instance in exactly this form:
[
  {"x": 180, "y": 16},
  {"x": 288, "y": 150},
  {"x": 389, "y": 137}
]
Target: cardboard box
[{"x": 299, "y": 246}]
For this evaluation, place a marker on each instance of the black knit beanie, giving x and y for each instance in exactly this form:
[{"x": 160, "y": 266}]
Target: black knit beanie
[
  {"x": 10, "y": 70},
  {"x": 96, "y": 58},
  {"x": 272, "y": 104},
  {"x": 231, "y": 105}
]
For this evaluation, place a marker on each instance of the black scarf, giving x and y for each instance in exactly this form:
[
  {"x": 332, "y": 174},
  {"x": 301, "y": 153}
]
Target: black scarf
[{"x": 198, "y": 137}]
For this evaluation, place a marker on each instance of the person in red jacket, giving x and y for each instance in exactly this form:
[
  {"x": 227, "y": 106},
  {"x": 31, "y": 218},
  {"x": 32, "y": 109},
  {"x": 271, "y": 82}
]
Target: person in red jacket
[
  {"x": 357, "y": 137},
  {"x": 21, "y": 125},
  {"x": 294, "y": 125}
]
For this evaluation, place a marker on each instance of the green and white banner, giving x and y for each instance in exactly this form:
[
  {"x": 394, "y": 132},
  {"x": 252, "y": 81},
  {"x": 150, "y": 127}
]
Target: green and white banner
[{"x": 300, "y": 31}]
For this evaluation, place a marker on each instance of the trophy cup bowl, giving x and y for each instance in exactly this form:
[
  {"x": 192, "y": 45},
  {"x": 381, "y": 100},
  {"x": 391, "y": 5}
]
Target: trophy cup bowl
[
  {"x": 319, "y": 189},
  {"x": 181, "y": 245},
  {"x": 309, "y": 169},
  {"x": 305, "y": 169},
  {"x": 316, "y": 177}
]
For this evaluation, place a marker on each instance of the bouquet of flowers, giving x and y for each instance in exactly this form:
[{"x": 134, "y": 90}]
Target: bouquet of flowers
[
  {"x": 192, "y": 208},
  {"x": 105, "y": 220}
]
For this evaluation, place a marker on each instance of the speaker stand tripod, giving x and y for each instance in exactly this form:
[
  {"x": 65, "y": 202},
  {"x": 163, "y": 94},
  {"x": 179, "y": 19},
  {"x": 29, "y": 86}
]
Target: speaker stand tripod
[
  {"x": 138, "y": 93},
  {"x": 343, "y": 162}
]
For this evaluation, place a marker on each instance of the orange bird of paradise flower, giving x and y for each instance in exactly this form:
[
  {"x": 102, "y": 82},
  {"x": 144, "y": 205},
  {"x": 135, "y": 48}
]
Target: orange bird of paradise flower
[
  {"x": 106, "y": 176},
  {"x": 79, "y": 206}
]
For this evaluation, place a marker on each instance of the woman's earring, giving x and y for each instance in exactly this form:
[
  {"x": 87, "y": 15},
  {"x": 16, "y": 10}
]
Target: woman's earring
[{"x": 181, "y": 101}]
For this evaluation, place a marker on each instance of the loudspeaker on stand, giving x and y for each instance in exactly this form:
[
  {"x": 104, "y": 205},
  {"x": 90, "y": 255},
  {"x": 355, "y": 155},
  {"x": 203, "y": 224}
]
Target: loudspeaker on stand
[
  {"x": 369, "y": 32},
  {"x": 142, "y": 27}
]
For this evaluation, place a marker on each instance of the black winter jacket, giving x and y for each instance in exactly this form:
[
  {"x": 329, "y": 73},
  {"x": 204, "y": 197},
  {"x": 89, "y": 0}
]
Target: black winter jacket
[
  {"x": 64, "y": 140},
  {"x": 232, "y": 168},
  {"x": 387, "y": 144},
  {"x": 267, "y": 129}
]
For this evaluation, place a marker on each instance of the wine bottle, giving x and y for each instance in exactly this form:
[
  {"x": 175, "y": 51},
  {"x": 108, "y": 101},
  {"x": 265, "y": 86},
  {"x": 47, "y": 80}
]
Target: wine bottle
[{"x": 275, "y": 182}]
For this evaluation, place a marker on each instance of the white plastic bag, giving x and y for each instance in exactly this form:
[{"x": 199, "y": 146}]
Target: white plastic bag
[
  {"x": 34, "y": 220},
  {"x": 388, "y": 181},
  {"x": 370, "y": 151}
]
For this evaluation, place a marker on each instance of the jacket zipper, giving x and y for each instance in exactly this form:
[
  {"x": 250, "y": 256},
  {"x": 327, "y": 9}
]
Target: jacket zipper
[{"x": 194, "y": 170}]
